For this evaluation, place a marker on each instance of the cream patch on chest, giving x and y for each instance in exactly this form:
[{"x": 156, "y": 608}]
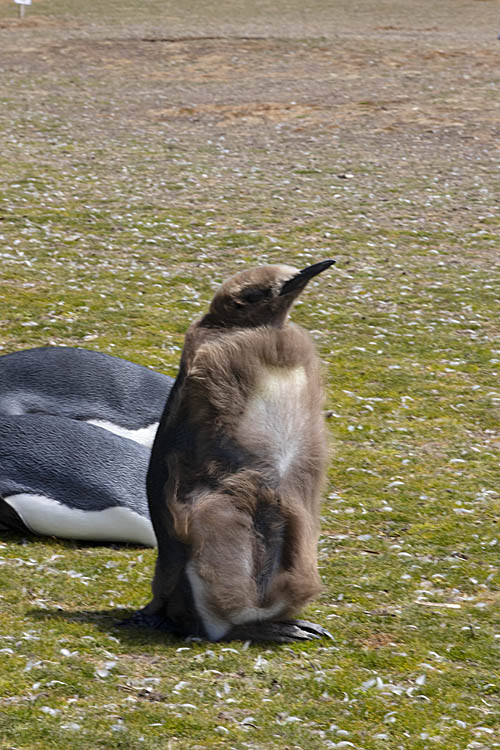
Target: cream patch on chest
[
  {"x": 274, "y": 418},
  {"x": 277, "y": 381}
]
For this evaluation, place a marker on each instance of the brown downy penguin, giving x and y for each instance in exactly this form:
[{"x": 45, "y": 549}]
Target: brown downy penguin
[{"x": 237, "y": 468}]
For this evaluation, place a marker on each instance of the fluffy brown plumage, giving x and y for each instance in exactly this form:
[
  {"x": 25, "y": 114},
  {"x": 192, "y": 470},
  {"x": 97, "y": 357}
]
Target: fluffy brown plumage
[{"x": 237, "y": 467}]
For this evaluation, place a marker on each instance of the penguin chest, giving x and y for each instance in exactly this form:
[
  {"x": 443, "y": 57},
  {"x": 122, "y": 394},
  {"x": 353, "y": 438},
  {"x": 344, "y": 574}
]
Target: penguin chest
[{"x": 274, "y": 420}]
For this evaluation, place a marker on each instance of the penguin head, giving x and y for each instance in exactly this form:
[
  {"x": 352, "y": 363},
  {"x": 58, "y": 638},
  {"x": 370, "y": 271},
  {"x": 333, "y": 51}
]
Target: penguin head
[{"x": 260, "y": 296}]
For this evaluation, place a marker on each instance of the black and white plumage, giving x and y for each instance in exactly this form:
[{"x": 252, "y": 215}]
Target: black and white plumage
[
  {"x": 121, "y": 396},
  {"x": 62, "y": 477}
]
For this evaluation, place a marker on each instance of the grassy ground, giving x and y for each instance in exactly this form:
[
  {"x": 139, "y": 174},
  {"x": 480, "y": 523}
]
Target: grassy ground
[{"x": 149, "y": 150}]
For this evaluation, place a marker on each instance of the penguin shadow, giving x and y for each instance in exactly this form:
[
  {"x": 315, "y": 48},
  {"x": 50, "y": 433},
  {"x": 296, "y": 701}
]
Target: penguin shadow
[
  {"x": 109, "y": 620},
  {"x": 114, "y": 622},
  {"x": 118, "y": 621}
]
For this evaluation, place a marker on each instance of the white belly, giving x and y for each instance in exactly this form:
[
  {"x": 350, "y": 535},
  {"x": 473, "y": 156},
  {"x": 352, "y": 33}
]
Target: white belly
[{"x": 45, "y": 516}]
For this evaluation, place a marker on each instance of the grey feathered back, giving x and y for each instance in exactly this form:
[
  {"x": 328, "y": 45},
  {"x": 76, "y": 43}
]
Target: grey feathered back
[
  {"x": 77, "y": 464},
  {"x": 82, "y": 384}
]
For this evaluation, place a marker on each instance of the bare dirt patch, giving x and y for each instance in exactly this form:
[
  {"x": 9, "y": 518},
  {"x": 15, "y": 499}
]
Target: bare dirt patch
[
  {"x": 242, "y": 83},
  {"x": 379, "y": 640}
]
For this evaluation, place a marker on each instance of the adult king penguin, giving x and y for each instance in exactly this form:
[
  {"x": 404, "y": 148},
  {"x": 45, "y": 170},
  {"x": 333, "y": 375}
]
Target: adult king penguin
[
  {"x": 237, "y": 468},
  {"x": 121, "y": 396},
  {"x": 61, "y": 477}
]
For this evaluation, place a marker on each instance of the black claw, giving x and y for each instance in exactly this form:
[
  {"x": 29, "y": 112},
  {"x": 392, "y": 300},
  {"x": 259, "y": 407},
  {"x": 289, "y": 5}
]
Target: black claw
[
  {"x": 288, "y": 631},
  {"x": 297, "y": 633},
  {"x": 312, "y": 627}
]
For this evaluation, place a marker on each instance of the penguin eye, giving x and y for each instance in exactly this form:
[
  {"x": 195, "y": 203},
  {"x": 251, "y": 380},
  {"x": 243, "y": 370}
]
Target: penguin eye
[{"x": 255, "y": 294}]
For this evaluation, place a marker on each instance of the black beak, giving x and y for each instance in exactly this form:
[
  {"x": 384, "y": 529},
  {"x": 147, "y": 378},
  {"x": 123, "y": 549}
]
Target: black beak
[{"x": 298, "y": 282}]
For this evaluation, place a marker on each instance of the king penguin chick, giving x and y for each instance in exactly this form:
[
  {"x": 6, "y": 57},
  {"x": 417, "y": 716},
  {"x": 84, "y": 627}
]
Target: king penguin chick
[{"x": 237, "y": 468}]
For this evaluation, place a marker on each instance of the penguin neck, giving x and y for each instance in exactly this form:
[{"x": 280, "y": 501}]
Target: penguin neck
[{"x": 209, "y": 320}]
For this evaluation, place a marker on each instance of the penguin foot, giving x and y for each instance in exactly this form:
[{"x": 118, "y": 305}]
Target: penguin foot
[
  {"x": 141, "y": 619},
  {"x": 315, "y": 630},
  {"x": 287, "y": 631}
]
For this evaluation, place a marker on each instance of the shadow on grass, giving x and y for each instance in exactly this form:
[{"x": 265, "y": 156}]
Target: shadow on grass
[
  {"x": 23, "y": 538},
  {"x": 111, "y": 621},
  {"x": 108, "y": 621}
]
